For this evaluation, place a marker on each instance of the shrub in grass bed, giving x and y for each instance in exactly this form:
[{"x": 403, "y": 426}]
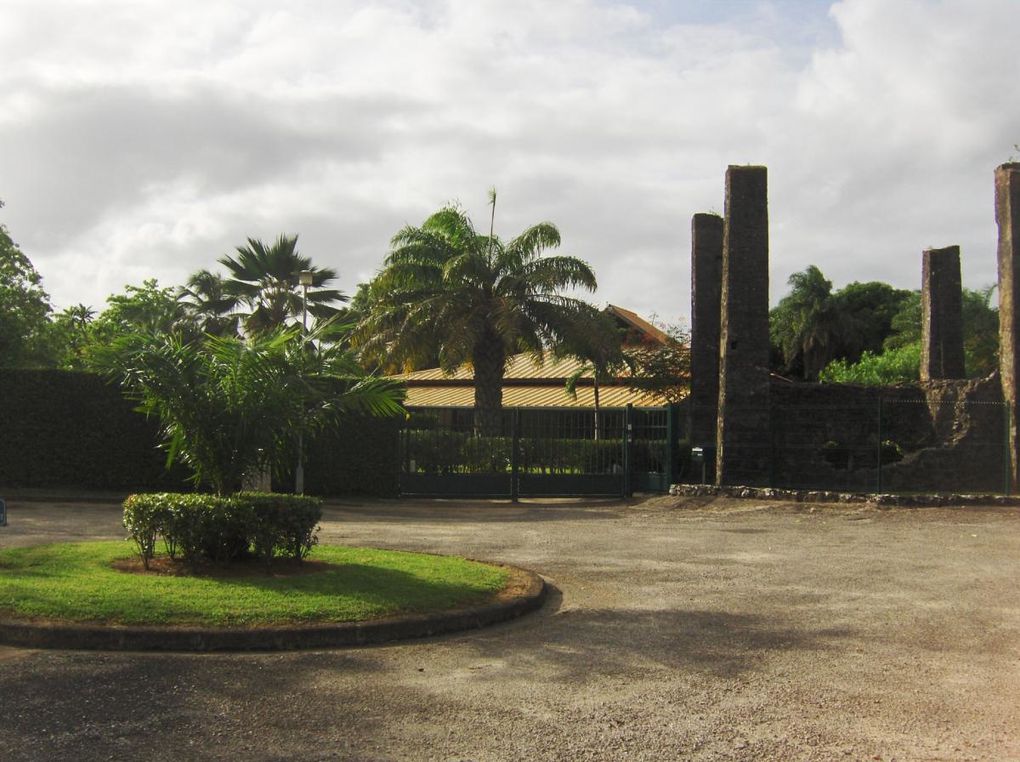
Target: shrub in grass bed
[{"x": 202, "y": 526}]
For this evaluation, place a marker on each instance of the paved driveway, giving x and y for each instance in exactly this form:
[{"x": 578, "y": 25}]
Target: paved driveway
[{"x": 677, "y": 629}]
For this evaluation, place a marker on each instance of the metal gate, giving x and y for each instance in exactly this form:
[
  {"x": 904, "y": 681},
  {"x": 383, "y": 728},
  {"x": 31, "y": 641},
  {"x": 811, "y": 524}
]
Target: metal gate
[{"x": 538, "y": 452}]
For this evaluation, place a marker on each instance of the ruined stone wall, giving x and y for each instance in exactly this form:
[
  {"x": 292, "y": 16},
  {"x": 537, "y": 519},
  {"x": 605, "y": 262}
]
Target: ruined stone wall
[{"x": 942, "y": 435}]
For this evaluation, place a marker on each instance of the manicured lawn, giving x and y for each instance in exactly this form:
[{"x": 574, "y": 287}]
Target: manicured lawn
[{"x": 75, "y": 581}]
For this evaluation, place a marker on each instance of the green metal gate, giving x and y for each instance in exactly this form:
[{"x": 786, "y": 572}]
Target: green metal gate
[{"x": 538, "y": 452}]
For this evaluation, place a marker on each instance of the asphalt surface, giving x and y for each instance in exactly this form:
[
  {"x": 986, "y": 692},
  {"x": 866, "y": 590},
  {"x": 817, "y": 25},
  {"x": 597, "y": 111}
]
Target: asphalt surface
[{"x": 677, "y": 629}]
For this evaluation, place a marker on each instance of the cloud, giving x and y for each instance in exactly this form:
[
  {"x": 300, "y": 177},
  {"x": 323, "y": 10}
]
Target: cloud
[{"x": 143, "y": 139}]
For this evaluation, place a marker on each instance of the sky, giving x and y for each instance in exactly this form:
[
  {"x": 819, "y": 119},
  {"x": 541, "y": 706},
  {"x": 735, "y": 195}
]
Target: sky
[{"x": 147, "y": 139}]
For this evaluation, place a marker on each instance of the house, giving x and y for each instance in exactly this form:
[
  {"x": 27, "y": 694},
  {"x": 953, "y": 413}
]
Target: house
[{"x": 530, "y": 383}]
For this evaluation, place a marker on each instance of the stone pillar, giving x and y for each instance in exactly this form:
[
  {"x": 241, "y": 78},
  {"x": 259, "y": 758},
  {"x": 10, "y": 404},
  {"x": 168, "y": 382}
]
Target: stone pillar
[
  {"x": 744, "y": 427},
  {"x": 706, "y": 291},
  {"x": 1007, "y": 215},
  {"x": 941, "y": 314}
]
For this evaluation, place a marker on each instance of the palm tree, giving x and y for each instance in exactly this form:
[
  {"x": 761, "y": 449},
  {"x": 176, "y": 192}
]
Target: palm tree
[
  {"x": 206, "y": 296},
  {"x": 808, "y": 324},
  {"x": 594, "y": 338},
  {"x": 265, "y": 279},
  {"x": 230, "y": 406},
  {"x": 469, "y": 297}
]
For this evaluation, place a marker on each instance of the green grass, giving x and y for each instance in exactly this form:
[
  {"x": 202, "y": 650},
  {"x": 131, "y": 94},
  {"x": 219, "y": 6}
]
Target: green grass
[{"x": 75, "y": 582}]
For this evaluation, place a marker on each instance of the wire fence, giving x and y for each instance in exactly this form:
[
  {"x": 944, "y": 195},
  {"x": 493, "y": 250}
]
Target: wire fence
[{"x": 885, "y": 444}]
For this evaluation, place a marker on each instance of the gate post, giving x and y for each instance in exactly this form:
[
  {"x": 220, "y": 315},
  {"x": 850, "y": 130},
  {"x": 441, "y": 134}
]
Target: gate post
[
  {"x": 628, "y": 429},
  {"x": 671, "y": 410},
  {"x": 515, "y": 441}
]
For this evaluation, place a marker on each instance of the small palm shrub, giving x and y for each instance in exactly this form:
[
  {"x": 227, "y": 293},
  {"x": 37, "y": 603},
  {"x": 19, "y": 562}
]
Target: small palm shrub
[{"x": 222, "y": 529}]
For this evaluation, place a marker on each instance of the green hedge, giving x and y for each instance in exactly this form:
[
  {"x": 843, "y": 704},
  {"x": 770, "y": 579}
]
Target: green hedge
[
  {"x": 201, "y": 526},
  {"x": 68, "y": 429},
  {"x": 440, "y": 451},
  {"x": 73, "y": 430}
]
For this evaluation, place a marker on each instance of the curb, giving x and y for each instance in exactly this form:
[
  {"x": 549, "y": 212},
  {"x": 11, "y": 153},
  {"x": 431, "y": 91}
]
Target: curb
[
  {"x": 821, "y": 496},
  {"x": 284, "y": 638}
]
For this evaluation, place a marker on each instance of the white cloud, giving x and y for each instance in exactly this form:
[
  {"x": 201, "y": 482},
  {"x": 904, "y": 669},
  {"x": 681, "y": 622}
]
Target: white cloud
[{"x": 144, "y": 139}]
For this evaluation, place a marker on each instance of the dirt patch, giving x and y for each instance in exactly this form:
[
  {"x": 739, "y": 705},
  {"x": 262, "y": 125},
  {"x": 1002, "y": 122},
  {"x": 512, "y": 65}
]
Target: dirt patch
[{"x": 176, "y": 567}]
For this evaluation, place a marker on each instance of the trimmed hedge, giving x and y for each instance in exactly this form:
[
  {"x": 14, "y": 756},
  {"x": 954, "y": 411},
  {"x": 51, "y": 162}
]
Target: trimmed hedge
[
  {"x": 197, "y": 526},
  {"x": 74, "y": 430},
  {"x": 69, "y": 429},
  {"x": 441, "y": 451}
]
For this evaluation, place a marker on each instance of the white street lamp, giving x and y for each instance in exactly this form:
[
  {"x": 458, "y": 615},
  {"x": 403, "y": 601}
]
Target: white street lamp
[{"x": 305, "y": 279}]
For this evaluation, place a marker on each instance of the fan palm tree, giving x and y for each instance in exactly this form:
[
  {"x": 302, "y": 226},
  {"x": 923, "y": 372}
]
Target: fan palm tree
[
  {"x": 469, "y": 297},
  {"x": 264, "y": 278}
]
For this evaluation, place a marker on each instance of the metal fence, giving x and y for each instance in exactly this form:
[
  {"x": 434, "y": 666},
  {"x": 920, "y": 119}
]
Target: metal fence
[
  {"x": 884, "y": 444},
  {"x": 539, "y": 452}
]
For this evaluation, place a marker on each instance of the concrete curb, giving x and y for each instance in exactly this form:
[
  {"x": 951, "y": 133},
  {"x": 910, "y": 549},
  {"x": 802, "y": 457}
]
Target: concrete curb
[
  {"x": 821, "y": 496},
  {"x": 285, "y": 638}
]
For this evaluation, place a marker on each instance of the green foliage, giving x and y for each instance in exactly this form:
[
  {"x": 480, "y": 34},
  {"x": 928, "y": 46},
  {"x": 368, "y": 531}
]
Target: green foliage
[
  {"x": 24, "y": 310},
  {"x": 814, "y": 325},
  {"x": 441, "y": 451},
  {"x": 450, "y": 292},
  {"x": 265, "y": 279},
  {"x": 231, "y": 407},
  {"x": 893, "y": 366},
  {"x": 77, "y": 582},
  {"x": 222, "y": 529},
  {"x": 665, "y": 368},
  {"x": 71, "y": 429}
]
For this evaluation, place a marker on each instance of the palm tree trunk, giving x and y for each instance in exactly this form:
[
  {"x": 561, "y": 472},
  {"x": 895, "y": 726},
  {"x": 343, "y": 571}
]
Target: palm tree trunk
[
  {"x": 489, "y": 362},
  {"x": 595, "y": 383}
]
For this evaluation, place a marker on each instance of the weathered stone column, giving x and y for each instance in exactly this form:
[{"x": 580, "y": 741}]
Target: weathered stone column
[
  {"x": 1007, "y": 215},
  {"x": 744, "y": 428},
  {"x": 941, "y": 314},
  {"x": 706, "y": 292}
]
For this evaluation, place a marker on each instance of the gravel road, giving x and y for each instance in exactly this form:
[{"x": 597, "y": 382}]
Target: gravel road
[{"x": 677, "y": 629}]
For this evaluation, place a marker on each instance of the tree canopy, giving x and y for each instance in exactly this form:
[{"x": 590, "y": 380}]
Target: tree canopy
[
  {"x": 24, "y": 309},
  {"x": 463, "y": 296}
]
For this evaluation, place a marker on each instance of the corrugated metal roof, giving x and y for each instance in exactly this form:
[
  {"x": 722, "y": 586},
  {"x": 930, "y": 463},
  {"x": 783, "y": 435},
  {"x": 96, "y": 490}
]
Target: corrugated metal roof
[
  {"x": 533, "y": 396},
  {"x": 521, "y": 366}
]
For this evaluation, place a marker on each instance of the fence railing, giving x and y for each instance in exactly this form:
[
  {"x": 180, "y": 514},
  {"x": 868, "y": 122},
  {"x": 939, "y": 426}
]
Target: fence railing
[
  {"x": 539, "y": 451},
  {"x": 886, "y": 444}
]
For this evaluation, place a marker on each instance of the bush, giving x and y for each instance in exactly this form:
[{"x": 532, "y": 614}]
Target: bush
[{"x": 202, "y": 526}]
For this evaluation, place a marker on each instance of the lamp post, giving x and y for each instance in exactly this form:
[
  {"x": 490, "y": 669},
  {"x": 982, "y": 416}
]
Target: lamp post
[{"x": 305, "y": 278}]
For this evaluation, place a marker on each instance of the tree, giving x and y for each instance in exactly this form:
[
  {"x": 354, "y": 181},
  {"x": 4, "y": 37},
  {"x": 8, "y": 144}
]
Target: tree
[
  {"x": 593, "y": 337},
  {"x": 208, "y": 300},
  {"x": 265, "y": 280},
  {"x": 230, "y": 406},
  {"x": 469, "y": 297},
  {"x": 664, "y": 369},
  {"x": 807, "y": 324},
  {"x": 980, "y": 328},
  {"x": 814, "y": 325},
  {"x": 24, "y": 309}
]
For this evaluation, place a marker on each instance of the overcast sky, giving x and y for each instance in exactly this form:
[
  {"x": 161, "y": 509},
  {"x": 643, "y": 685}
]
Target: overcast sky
[{"x": 146, "y": 139}]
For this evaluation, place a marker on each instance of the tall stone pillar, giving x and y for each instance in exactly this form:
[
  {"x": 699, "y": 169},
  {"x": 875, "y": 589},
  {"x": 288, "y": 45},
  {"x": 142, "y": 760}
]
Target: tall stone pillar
[
  {"x": 744, "y": 427},
  {"x": 706, "y": 292},
  {"x": 941, "y": 314},
  {"x": 1007, "y": 215}
]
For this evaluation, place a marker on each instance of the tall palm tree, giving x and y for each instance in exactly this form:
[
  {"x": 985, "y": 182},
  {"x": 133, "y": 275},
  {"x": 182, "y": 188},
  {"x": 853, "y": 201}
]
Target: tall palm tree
[
  {"x": 207, "y": 298},
  {"x": 808, "y": 323},
  {"x": 594, "y": 338},
  {"x": 264, "y": 278},
  {"x": 472, "y": 298}
]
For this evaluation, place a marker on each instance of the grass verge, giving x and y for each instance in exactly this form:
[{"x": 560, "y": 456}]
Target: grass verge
[{"x": 76, "y": 582}]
